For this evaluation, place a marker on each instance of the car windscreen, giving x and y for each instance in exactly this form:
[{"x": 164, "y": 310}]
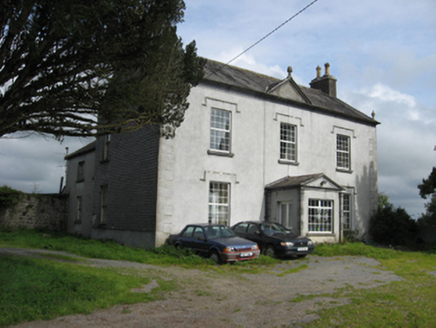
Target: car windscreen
[
  {"x": 271, "y": 228},
  {"x": 217, "y": 231}
]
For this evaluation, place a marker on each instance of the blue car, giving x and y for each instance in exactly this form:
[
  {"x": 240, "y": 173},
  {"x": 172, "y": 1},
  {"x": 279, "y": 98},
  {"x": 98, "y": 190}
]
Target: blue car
[
  {"x": 274, "y": 239},
  {"x": 215, "y": 241}
]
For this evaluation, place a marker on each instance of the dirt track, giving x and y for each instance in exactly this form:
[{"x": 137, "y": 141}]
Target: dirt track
[{"x": 208, "y": 299}]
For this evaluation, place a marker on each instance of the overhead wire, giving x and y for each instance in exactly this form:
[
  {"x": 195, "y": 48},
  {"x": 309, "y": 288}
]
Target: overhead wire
[{"x": 263, "y": 38}]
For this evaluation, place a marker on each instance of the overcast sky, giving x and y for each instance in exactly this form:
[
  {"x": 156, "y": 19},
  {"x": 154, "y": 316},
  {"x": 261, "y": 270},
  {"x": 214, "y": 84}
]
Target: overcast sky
[{"x": 382, "y": 53}]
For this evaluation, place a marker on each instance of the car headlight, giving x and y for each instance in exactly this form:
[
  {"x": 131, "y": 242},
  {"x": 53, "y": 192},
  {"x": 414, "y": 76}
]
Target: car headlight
[
  {"x": 255, "y": 247},
  {"x": 310, "y": 242},
  {"x": 287, "y": 243},
  {"x": 229, "y": 249}
]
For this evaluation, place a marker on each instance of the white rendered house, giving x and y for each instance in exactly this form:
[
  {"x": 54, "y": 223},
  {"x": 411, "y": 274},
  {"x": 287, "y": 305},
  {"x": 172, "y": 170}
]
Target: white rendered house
[{"x": 251, "y": 147}]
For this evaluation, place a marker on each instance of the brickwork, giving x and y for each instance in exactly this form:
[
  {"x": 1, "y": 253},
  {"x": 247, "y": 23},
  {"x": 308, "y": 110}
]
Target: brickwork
[{"x": 37, "y": 211}]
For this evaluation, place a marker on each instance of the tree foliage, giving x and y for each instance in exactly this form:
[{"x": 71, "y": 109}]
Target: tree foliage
[
  {"x": 391, "y": 226},
  {"x": 84, "y": 68},
  {"x": 428, "y": 188}
]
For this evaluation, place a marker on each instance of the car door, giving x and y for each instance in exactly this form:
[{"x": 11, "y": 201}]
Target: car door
[
  {"x": 241, "y": 229},
  {"x": 199, "y": 243},
  {"x": 254, "y": 234},
  {"x": 186, "y": 238}
]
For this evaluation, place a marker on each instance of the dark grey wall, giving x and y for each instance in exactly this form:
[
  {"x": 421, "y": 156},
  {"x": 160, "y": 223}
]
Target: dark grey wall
[{"x": 131, "y": 177}]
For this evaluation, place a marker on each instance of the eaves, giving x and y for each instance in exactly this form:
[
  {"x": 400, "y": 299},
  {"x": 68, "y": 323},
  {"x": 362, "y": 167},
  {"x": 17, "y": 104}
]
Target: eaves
[{"x": 289, "y": 102}]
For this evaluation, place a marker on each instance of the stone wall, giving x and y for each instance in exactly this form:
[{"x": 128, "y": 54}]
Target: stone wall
[{"x": 37, "y": 211}]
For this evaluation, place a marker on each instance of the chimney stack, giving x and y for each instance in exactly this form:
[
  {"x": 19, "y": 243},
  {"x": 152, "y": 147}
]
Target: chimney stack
[{"x": 326, "y": 83}]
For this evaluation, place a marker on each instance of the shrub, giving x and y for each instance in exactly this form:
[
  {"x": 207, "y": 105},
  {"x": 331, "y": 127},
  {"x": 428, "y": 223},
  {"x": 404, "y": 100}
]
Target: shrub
[
  {"x": 8, "y": 197},
  {"x": 392, "y": 226}
]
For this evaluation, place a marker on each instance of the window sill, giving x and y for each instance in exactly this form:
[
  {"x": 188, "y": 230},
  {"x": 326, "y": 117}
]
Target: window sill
[
  {"x": 320, "y": 234},
  {"x": 220, "y": 153},
  {"x": 286, "y": 162},
  {"x": 344, "y": 171}
]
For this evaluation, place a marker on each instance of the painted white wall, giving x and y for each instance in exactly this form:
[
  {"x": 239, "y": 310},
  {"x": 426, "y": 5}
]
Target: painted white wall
[{"x": 186, "y": 168}]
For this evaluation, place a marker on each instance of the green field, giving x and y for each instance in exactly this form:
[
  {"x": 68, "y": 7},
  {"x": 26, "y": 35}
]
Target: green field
[{"x": 55, "y": 285}]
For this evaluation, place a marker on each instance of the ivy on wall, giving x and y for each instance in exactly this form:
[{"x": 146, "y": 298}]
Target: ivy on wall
[{"x": 9, "y": 197}]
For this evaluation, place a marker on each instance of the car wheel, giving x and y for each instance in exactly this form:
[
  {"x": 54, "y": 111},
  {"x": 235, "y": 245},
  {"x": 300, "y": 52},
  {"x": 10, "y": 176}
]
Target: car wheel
[
  {"x": 215, "y": 257},
  {"x": 270, "y": 251},
  {"x": 301, "y": 256}
]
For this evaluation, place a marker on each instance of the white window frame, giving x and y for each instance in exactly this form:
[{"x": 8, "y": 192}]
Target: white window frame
[
  {"x": 288, "y": 145},
  {"x": 343, "y": 152},
  {"x": 320, "y": 215},
  {"x": 219, "y": 203},
  {"x": 285, "y": 207},
  {"x": 346, "y": 211},
  {"x": 217, "y": 130}
]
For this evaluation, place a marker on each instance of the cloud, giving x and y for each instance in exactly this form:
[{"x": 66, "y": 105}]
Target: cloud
[
  {"x": 249, "y": 62},
  {"x": 405, "y": 140},
  {"x": 385, "y": 93},
  {"x": 34, "y": 163}
]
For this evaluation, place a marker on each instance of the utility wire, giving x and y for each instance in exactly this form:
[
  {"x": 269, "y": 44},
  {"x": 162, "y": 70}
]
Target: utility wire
[{"x": 260, "y": 40}]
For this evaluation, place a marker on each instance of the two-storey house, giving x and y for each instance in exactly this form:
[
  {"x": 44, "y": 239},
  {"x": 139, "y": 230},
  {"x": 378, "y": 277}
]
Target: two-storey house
[{"x": 251, "y": 147}]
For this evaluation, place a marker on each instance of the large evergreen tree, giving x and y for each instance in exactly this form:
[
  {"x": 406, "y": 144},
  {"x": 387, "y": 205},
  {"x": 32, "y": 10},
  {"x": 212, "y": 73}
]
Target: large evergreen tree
[
  {"x": 428, "y": 188},
  {"x": 83, "y": 68}
]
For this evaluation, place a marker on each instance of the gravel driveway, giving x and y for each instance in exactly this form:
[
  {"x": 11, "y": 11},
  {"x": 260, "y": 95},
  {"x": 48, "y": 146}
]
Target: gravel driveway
[{"x": 209, "y": 299}]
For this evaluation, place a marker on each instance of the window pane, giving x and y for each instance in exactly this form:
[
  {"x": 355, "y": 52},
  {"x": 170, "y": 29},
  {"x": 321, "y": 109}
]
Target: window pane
[
  {"x": 219, "y": 203},
  {"x": 103, "y": 203},
  {"x": 188, "y": 232},
  {"x": 343, "y": 151},
  {"x": 320, "y": 215},
  {"x": 288, "y": 142},
  {"x": 346, "y": 213},
  {"x": 220, "y": 140},
  {"x": 220, "y": 130},
  {"x": 79, "y": 209}
]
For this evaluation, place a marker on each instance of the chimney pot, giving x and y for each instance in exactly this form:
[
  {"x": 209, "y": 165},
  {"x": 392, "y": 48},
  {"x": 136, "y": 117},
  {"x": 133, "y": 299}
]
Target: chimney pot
[
  {"x": 326, "y": 83},
  {"x": 318, "y": 72},
  {"x": 327, "y": 68}
]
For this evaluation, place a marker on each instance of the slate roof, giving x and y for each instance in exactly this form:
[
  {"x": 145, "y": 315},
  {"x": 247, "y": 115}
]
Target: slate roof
[
  {"x": 86, "y": 149},
  {"x": 289, "y": 182},
  {"x": 249, "y": 81}
]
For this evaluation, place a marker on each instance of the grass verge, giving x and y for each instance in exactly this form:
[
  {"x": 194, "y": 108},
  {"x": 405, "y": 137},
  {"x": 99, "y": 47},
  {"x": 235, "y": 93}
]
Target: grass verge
[
  {"x": 33, "y": 289},
  {"x": 111, "y": 250},
  {"x": 407, "y": 303}
]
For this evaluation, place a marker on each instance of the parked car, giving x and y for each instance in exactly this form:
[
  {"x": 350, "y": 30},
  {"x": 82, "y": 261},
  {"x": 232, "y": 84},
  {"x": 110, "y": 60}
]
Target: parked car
[
  {"x": 215, "y": 241},
  {"x": 274, "y": 239}
]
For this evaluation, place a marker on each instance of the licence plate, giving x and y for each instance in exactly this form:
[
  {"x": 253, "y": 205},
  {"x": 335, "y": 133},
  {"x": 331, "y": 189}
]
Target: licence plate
[
  {"x": 246, "y": 254},
  {"x": 302, "y": 249}
]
